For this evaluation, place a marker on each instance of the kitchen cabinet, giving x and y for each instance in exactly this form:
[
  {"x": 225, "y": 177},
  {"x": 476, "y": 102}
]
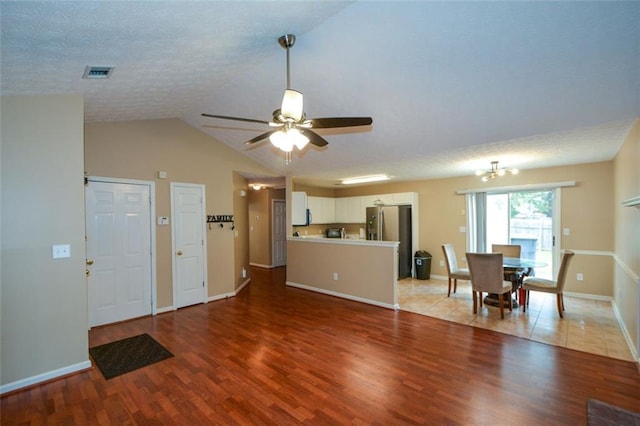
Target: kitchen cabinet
[
  {"x": 323, "y": 209},
  {"x": 350, "y": 210},
  {"x": 368, "y": 201},
  {"x": 299, "y": 208},
  {"x": 402, "y": 198},
  {"x": 342, "y": 210},
  {"x": 356, "y": 210}
]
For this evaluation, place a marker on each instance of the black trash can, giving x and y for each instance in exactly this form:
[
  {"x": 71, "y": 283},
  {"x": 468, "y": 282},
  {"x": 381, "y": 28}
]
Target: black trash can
[{"x": 422, "y": 261}]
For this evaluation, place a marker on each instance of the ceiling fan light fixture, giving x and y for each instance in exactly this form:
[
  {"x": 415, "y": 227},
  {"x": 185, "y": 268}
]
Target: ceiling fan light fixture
[
  {"x": 281, "y": 141},
  {"x": 365, "y": 179},
  {"x": 292, "y": 105},
  {"x": 285, "y": 140}
]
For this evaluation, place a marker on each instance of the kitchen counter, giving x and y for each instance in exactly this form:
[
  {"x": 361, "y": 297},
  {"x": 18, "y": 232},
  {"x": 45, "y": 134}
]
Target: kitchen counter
[
  {"x": 361, "y": 270},
  {"x": 355, "y": 240}
]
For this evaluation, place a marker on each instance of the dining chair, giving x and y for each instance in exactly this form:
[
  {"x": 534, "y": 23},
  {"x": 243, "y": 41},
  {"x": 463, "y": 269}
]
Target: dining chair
[
  {"x": 453, "y": 271},
  {"x": 549, "y": 286},
  {"x": 487, "y": 276},
  {"x": 514, "y": 275},
  {"x": 508, "y": 250}
]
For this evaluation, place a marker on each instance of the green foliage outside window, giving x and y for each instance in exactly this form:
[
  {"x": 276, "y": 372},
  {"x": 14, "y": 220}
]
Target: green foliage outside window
[{"x": 531, "y": 204}]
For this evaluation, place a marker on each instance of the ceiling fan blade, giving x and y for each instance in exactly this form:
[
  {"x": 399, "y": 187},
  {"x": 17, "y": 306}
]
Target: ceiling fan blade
[
  {"x": 226, "y": 117},
  {"x": 314, "y": 138},
  {"x": 330, "y": 122},
  {"x": 261, "y": 137}
]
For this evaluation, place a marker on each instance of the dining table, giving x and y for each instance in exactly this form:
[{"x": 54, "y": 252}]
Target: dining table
[{"x": 525, "y": 268}]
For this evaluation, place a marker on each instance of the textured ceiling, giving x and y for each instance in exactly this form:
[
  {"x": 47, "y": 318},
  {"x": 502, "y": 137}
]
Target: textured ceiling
[{"x": 451, "y": 86}]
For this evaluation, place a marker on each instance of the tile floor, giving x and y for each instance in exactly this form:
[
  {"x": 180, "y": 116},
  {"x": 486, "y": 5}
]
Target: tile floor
[{"x": 588, "y": 325}]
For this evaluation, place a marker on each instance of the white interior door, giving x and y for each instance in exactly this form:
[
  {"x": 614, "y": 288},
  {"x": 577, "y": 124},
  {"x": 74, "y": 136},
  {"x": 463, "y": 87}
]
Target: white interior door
[
  {"x": 189, "y": 250},
  {"x": 279, "y": 233},
  {"x": 118, "y": 228}
]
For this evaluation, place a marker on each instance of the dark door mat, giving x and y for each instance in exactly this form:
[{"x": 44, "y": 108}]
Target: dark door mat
[
  {"x": 123, "y": 356},
  {"x": 602, "y": 414}
]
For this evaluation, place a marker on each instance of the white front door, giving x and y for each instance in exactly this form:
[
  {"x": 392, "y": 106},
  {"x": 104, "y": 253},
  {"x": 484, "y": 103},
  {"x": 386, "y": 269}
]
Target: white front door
[
  {"x": 189, "y": 250},
  {"x": 279, "y": 251},
  {"x": 118, "y": 229}
]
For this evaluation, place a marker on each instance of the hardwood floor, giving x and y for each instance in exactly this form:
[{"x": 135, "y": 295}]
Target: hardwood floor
[{"x": 279, "y": 355}]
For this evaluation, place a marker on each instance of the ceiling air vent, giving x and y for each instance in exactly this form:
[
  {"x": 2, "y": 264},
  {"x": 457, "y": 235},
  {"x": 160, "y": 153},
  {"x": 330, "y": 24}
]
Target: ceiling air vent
[{"x": 97, "y": 72}]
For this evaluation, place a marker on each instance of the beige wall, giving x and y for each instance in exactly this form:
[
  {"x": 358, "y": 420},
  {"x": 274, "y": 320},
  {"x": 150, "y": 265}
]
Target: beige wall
[
  {"x": 241, "y": 232},
  {"x": 259, "y": 228},
  {"x": 260, "y": 224},
  {"x": 44, "y": 301},
  {"x": 587, "y": 209},
  {"x": 139, "y": 149},
  {"x": 365, "y": 272},
  {"x": 627, "y": 234}
]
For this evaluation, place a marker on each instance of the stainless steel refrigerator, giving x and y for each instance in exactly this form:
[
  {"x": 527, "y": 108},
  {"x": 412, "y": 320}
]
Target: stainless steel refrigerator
[{"x": 393, "y": 223}]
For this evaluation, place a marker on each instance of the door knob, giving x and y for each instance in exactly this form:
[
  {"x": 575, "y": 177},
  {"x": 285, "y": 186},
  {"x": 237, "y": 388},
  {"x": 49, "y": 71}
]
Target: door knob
[
  {"x": 179, "y": 253},
  {"x": 89, "y": 262},
  {"x": 87, "y": 272}
]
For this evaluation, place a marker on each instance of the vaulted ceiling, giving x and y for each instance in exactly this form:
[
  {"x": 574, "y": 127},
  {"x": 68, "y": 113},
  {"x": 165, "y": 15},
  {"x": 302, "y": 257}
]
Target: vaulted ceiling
[{"x": 451, "y": 86}]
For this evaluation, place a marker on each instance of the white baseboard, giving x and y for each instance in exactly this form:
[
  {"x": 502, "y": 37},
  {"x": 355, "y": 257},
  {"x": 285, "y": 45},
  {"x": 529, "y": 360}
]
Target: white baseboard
[
  {"x": 230, "y": 294},
  {"x": 438, "y": 277},
  {"x": 242, "y": 286},
  {"x": 625, "y": 332},
  {"x": 165, "y": 309},
  {"x": 588, "y": 296},
  {"x": 343, "y": 295},
  {"x": 49, "y": 375},
  {"x": 259, "y": 265},
  {"x": 220, "y": 296}
]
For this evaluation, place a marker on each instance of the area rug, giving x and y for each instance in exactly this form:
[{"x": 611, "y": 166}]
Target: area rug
[
  {"x": 602, "y": 414},
  {"x": 122, "y": 356}
]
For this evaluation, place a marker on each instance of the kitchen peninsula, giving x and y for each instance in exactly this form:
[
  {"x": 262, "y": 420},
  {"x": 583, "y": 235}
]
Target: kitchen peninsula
[{"x": 351, "y": 268}]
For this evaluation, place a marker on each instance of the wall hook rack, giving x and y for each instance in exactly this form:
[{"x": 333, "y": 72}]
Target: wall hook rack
[{"x": 221, "y": 219}]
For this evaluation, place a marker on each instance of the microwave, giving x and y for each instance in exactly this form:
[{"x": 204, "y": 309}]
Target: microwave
[{"x": 333, "y": 232}]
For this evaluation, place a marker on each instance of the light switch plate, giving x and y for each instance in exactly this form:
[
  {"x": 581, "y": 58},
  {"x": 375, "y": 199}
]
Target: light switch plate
[
  {"x": 163, "y": 220},
  {"x": 60, "y": 251}
]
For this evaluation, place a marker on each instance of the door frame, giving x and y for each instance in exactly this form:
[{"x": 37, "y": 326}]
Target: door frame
[
  {"x": 556, "y": 187},
  {"x": 174, "y": 271},
  {"x": 273, "y": 235},
  {"x": 152, "y": 233}
]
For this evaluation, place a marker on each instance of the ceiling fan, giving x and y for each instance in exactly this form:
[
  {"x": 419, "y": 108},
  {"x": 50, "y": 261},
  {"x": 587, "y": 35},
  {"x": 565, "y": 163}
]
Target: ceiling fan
[{"x": 290, "y": 126}]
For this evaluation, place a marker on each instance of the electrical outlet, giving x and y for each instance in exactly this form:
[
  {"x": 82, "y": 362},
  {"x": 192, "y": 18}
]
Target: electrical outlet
[
  {"x": 566, "y": 231},
  {"x": 442, "y": 263},
  {"x": 335, "y": 276},
  {"x": 579, "y": 276}
]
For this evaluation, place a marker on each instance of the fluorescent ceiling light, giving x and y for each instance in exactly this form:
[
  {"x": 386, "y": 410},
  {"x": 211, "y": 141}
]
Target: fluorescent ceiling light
[{"x": 365, "y": 179}]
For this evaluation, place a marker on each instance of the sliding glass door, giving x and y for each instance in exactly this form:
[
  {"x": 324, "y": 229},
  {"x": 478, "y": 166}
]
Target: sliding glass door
[
  {"x": 523, "y": 218},
  {"x": 528, "y": 218}
]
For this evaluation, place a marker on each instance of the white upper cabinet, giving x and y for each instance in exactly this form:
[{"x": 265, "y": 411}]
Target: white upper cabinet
[
  {"x": 299, "y": 208},
  {"x": 356, "y": 210},
  {"x": 350, "y": 210},
  {"x": 323, "y": 209},
  {"x": 342, "y": 210},
  {"x": 326, "y": 210},
  {"x": 403, "y": 198}
]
